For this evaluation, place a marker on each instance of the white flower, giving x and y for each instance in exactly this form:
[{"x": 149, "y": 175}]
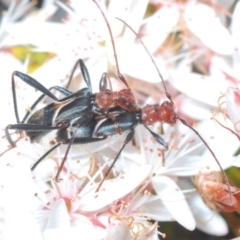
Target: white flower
[{"x": 183, "y": 159}]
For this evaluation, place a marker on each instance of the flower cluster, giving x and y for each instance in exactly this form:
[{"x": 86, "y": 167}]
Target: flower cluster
[{"x": 195, "y": 47}]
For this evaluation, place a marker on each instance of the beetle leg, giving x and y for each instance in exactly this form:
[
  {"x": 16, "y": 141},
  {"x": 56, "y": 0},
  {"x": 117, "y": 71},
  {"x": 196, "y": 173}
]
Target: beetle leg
[
  {"x": 85, "y": 74},
  {"x": 127, "y": 140}
]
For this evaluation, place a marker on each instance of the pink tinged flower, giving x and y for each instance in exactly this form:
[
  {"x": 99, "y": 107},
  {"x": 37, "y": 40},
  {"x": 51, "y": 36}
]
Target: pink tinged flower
[
  {"x": 233, "y": 107},
  {"x": 207, "y": 220},
  {"x": 130, "y": 211},
  {"x": 71, "y": 199},
  {"x": 216, "y": 193},
  {"x": 59, "y": 213},
  {"x": 122, "y": 217},
  {"x": 202, "y": 21}
]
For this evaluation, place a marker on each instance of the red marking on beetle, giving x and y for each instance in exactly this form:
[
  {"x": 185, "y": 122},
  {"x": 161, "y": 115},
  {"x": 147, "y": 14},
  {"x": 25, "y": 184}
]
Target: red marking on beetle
[{"x": 124, "y": 99}]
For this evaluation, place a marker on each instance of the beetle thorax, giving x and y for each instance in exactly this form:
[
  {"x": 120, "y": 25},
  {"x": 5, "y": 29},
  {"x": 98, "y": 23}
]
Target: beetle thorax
[
  {"x": 124, "y": 98},
  {"x": 159, "y": 113}
]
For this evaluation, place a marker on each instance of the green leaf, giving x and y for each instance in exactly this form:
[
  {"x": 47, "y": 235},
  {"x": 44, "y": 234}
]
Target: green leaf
[{"x": 36, "y": 59}]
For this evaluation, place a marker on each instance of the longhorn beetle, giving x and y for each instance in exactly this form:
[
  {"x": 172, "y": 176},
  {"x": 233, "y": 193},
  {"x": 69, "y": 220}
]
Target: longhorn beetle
[
  {"x": 77, "y": 115},
  {"x": 83, "y": 117}
]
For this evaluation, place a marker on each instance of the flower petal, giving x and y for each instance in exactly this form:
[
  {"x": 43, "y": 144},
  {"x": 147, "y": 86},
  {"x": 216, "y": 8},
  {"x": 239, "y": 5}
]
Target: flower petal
[
  {"x": 118, "y": 230},
  {"x": 174, "y": 200},
  {"x": 207, "y": 220},
  {"x": 221, "y": 69},
  {"x": 125, "y": 10},
  {"x": 143, "y": 68},
  {"x": 196, "y": 86},
  {"x": 59, "y": 217},
  {"x": 202, "y": 21},
  {"x": 223, "y": 145},
  {"x": 159, "y": 26},
  {"x": 156, "y": 210}
]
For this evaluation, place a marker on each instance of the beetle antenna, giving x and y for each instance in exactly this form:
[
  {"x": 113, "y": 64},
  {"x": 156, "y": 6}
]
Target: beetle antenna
[
  {"x": 169, "y": 97},
  {"x": 182, "y": 120},
  {"x": 211, "y": 151},
  {"x": 121, "y": 77},
  {"x": 149, "y": 54}
]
